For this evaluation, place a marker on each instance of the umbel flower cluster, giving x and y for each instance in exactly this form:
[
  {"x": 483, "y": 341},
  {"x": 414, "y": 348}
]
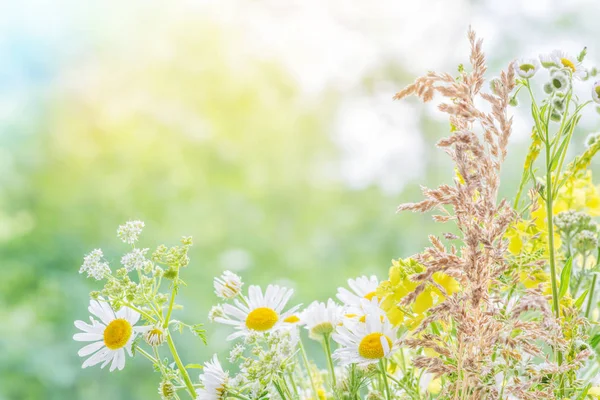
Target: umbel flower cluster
[{"x": 504, "y": 307}]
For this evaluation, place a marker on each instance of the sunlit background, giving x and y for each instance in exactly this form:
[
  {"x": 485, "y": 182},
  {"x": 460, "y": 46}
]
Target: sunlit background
[{"x": 264, "y": 129}]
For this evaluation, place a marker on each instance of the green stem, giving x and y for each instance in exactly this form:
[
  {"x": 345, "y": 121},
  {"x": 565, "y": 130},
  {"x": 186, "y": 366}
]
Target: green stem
[
  {"x": 388, "y": 394},
  {"x": 184, "y": 373},
  {"x": 307, "y": 365},
  {"x": 146, "y": 354},
  {"x": 293, "y": 383},
  {"x": 145, "y": 314},
  {"x": 171, "y": 302},
  {"x": 549, "y": 214},
  {"x": 327, "y": 346}
]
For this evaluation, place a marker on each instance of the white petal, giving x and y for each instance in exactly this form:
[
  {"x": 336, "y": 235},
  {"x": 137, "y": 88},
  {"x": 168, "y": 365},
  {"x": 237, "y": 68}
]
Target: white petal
[
  {"x": 87, "y": 337},
  {"x": 90, "y": 348}
]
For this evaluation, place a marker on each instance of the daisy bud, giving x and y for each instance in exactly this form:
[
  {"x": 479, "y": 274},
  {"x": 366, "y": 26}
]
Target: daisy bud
[
  {"x": 526, "y": 68},
  {"x": 513, "y": 101},
  {"x": 596, "y": 92},
  {"x": 548, "y": 88},
  {"x": 155, "y": 336},
  {"x": 228, "y": 286},
  {"x": 560, "y": 81},
  {"x": 555, "y": 116},
  {"x": 558, "y": 104},
  {"x": 166, "y": 390},
  {"x": 215, "y": 312},
  {"x": 591, "y": 139}
]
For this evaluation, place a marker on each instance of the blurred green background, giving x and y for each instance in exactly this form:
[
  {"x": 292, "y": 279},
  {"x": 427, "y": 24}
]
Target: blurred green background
[{"x": 264, "y": 129}]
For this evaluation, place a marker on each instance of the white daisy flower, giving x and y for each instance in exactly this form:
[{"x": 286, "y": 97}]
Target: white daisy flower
[
  {"x": 111, "y": 336},
  {"x": 214, "y": 380},
  {"x": 362, "y": 288},
  {"x": 321, "y": 319},
  {"x": 564, "y": 60},
  {"x": 596, "y": 92},
  {"x": 365, "y": 343},
  {"x": 228, "y": 286},
  {"x": 526, "y": 68},
  {"x": 260, "y": 313}
]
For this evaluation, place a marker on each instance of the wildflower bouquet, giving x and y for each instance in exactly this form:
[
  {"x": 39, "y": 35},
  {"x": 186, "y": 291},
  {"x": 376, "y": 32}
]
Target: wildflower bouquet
[{"x": 503, "y": 308}]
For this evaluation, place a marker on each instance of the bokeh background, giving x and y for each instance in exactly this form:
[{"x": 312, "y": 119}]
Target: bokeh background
[{"x": 265, "y": 129}]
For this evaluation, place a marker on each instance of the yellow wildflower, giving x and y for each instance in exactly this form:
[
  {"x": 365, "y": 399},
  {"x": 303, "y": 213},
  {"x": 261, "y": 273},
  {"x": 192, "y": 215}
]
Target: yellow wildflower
[{"x": 400, "y": 284}]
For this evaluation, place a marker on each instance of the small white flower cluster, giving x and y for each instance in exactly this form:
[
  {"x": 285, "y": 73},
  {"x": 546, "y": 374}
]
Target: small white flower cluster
[
  {"x": 94, "y": 265},
  {"x": 130, "y": 232},
  {"x": 136, "y": 260}
]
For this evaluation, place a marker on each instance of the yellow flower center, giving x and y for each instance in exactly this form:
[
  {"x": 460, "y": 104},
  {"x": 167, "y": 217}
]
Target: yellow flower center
[
  {"x": 117, "y": 334},
  {"x": 292, "y": 319},
  {"x": 370, "y": 295},
  {"x": 370, "y": 347},
  {"x": 526, "y": 67},
  {"x": 261, "y": 319},
  {"x": 568, "y": 64}
]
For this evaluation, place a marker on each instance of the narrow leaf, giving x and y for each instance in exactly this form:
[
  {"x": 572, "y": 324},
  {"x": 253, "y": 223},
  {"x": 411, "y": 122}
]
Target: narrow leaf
[
  {"x": 581, "y": 299},
  {"x": 565, "y": 278}
]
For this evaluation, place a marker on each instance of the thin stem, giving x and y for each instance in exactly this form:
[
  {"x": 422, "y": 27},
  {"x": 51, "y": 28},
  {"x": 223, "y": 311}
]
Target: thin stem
[
  {"x": 293, "y": 382},
  {"x": 307, "y": 365},
  {"x": 184, "y": 373},
  {"x": 388, "y": 394},
  {"x": 171, "y": 302},
  {"x": 327, "y": 346},
  {"x": 145, "y": 314},
  {"x": 146, "y": 354}
]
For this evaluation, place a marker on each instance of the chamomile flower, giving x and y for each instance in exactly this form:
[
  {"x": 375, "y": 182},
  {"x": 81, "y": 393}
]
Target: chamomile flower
[
  {"x": 110, "y": 336},
  {"x": 228, "y": 286},
  {"x": 526, "y": 68},
  {"x": 321, "y": 319},
  {"x": 566, "y": 61},
  {"x": 362, "y": 288},
  {"x": 596, "y": 92},
  {"x": 365, "y": 343},
  {"x": 261, "y": 313},
  {"x": 214, "y": 380}
]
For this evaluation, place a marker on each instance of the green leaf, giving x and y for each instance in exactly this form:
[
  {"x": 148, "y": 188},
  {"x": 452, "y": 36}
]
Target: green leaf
[
  {"x": 584, "y": 392},
  {"x": 194, "y": 366},
  {"x": 565, "y": 278},
  {"x": 581, "y": 299},
  {"x": 558, "y": 153},
  {"x": 595, "y": 340}
]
